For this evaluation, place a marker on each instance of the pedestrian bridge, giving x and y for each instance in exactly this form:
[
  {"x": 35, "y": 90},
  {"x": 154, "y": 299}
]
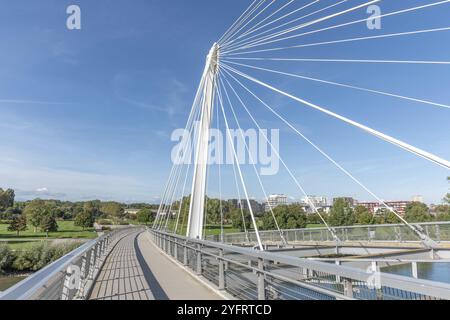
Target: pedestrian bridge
[{"x": 143, "y": 264}]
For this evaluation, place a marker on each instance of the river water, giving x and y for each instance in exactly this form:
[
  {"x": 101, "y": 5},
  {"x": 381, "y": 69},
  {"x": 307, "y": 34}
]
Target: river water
[{"x": 427, "y": 271}]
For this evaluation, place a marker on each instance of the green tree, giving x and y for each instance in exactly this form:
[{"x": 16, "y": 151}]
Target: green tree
[
  {"x": 213, "y": 211},
  {"x": 385, "y": 216},
  {"x": 48, "y": 223},
  {"x": 113, "y": 210},
  {"x": 85, "y": 219},
  {"x": 341, "y": 214},
  {"x": 447, "y": 197},
  {"x": 363, "y": 215},
  {"x": 145, "y": 216},
  {"x": 18, "y": 224},
  {"x": 443, "y": 213},
  {"x": 6, "y": 199},
  {"x": 34, "y": 211},
  {"x": 6, "y": 258},
  {"x": 417, "y": 212},
  {"x": 287, "y": 217},
  {"x": 240, "y": 219}
]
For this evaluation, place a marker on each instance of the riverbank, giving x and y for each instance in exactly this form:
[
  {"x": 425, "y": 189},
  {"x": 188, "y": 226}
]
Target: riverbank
[{"x": 9, "y": 280}]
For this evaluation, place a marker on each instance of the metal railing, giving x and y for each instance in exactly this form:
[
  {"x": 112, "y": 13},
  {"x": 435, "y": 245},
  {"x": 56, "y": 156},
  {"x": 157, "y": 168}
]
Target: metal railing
[
  {"x": 438, "y": 231},
  {"x": 249, "y": 274},
  {"x": 70, "y": 277}
]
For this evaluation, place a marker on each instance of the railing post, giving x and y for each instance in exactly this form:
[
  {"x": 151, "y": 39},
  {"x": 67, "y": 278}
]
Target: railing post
[
  {"x": 261, "y": 281},
  {"x": 97, "y": 255},
  {"x": 175, "y": 249},
  {"x": 348, "y": 288},
  {"x": 221, "y": 271},
  {"x": 338, "y": 278},
  {"x": 83, "y": 274},
  {"x": 91, "y": 264},
  {"x": 185, "y": 253},
  {"x": 199, "y": 259},
  {"x": 414, "y": 270}
]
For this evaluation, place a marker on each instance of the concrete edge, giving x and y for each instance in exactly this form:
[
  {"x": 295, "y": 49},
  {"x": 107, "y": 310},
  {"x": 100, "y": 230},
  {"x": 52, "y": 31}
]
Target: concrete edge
[{"x": 205, "y": 282}]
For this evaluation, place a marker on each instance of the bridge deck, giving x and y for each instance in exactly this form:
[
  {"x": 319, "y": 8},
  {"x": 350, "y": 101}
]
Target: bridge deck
[{"x": 137, "y": 270}]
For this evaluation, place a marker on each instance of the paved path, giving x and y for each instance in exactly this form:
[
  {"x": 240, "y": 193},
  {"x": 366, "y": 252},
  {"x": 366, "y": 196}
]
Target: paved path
[{"x": 137, "y": 270}]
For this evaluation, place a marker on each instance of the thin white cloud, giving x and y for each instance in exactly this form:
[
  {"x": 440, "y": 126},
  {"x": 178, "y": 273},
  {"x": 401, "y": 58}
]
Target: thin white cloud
[{"x": 39, "y": 102}]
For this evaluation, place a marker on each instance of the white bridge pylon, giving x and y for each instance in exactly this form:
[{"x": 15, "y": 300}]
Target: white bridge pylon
[
  {"x": 197, "y": 205},
  {"x": 251, "y": 38}
]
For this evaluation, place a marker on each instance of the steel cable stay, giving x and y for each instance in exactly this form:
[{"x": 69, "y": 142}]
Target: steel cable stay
[
  {"x": 264, "y": 41},
  {"x": 301, "y": 188},
  {"x": 233, "y": 31},
  {"x": 417, "y": 151},
  {"x": 236, "y": 40},
  {"x": 344, "y": 60},
  {"x": 426, "y": 240},
  {"x": 236, "y": 22},
  {"x": 252, "y": 161},
  {"x": 222, "y": 235},
  {"x": 244, "y": 187},
  {"x": 252, "y": 19},
  {"x": 195, "y": 105},
  {"x": 185, "y": 151},
  {"x": 192, "y": 132},
  {"x": 195, "y": 108},
  {"x": 175, "y": 180},
  {"x": 348, "y": 40},
  {"x": 254, "y": 28},
  {"x": 243, "y": 41},
  {"x": 349, "y": 86},
  {"x": 261, "y": 24}
]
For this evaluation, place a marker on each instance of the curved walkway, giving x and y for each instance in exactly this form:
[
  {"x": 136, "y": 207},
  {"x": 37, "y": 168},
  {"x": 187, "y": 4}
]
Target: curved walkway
[{"x": 137, "y": 270}]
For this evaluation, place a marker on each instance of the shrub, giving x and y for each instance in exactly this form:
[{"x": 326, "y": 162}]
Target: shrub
[
  {"x": 105, "y": 222},
  {"x": 40, "y": 255},
  {"x": 6, "y": 258}
]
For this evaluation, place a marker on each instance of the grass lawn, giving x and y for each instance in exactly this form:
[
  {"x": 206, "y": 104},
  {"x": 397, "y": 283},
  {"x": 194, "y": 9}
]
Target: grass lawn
[
  {"x": 312, "y": 226},
  {"x": 213, "y": 230},
  {"x": 66, "y": 230}
]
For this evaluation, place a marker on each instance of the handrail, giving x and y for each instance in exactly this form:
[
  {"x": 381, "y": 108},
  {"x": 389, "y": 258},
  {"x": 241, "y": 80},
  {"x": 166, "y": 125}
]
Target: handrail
[
  {"x": 419, "y": 286},
  {"x": 346, "y": 227},
  {"x": 97, "y": 249}
]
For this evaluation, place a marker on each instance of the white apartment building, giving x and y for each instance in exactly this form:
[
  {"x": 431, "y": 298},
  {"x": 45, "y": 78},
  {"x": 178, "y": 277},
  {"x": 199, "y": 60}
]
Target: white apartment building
[{"x": 275, "y": 200}]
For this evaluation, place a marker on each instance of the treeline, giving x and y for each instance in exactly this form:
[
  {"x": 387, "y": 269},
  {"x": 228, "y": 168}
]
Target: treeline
[
  {"x": 293, "y": 216},
  {"x": 43, "y": 214},
  {"x": 342, "y": 214}
]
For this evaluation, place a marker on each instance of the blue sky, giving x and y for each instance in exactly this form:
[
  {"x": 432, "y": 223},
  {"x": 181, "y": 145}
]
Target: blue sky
[{"x": 88, "y": 114}]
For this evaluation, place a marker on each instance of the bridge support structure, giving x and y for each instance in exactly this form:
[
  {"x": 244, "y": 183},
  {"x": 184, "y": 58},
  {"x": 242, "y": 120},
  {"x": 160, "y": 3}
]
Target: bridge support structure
[{"x": 197, "y": 205}]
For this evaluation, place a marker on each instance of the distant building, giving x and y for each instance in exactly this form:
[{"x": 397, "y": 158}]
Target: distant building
[
  {"x": 397, "y": 206},
  {"x": 274, "y": 201},
  {"x": 257, "y": 207},
  {"x": 352, "y": 202},
  {"x": 320, "y": 203},
  {"x": 418, "y": 199},
  {"x": 373, "y": 207},
  {"x": 316, "y": 201},
  {"x": 132, "y": 212}
]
